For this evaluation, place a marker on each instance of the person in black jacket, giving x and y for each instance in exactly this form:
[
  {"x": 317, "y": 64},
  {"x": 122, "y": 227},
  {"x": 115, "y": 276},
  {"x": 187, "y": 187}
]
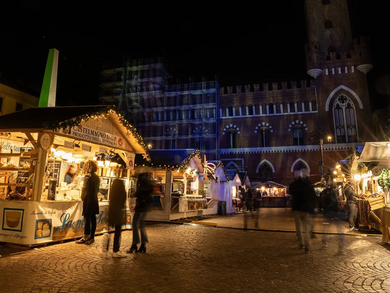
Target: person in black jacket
[
  {"x": 303, "y": 198},
  {"x": 90, "y": 202},
  {"x": 143, "y": 202},
  {"x": 115, "y": 213}
]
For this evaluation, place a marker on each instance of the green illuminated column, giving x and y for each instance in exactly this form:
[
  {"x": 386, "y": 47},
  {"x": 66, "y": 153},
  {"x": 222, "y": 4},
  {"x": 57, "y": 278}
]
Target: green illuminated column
[{"x": 49, "y": 86}]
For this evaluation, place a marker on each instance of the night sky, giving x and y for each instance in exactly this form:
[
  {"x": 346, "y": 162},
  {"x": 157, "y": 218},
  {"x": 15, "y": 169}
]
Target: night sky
[{"x": 238, "y": 44}]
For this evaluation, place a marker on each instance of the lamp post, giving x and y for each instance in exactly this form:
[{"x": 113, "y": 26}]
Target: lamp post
[
  {"x": 329, "y": 139},
  {"x": 322, "y": 158}
]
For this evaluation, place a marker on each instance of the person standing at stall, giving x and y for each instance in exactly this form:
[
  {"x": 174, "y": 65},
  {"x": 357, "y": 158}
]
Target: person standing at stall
[
  {"x": 70, "y": 174},
  {"x": 142, "y": 206},
  {"x": 116, "y": 213},
  {"x": 90, "y": 202},
  {"x": 352, "y": 202}
]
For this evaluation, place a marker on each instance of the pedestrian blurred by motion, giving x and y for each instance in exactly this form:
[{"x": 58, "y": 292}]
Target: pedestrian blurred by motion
[
  {"x": 333, "y": 212},
  {"x": 90, "y": 202},
  {"x": 248, "y": 199},
  {"x": 143, "y": 202},
  {"x": 352, "y": 202},
  {"x": 303, "y": 199},
  {"x": 116, "y": 213}
]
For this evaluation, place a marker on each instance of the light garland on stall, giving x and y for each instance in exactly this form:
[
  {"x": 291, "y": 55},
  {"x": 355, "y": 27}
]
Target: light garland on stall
[{"x": 103, "y": 114}]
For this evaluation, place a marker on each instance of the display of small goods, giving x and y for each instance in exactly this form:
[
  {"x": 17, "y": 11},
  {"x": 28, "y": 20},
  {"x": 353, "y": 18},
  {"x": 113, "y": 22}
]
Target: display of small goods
[
  {"x": 53, "y": 169},
  {"x": 16, "y": 175}
]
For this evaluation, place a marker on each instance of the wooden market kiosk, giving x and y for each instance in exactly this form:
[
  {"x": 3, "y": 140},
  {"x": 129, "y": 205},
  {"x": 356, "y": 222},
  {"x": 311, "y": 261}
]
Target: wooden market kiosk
[
  {"x": 181, "y": 188},
  {"x": 375, "y": 185},
  {"x": 38, "y": 145}
]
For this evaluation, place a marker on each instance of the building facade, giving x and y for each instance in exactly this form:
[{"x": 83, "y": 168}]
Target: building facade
[
  {"x": 12, "y": 100},
  {"x": 268, "y": 130}
]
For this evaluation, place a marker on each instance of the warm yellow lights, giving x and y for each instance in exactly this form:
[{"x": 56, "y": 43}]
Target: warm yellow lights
[{"x": 357, "y": 177}]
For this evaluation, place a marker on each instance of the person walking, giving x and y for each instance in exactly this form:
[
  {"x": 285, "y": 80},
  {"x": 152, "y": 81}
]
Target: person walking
[
  {"x": 90, "y": 202},
  {"x": 142, "y": 206},
  {"x": 115, "y": 213},
  {"x": 302, "y": 204},
  {"x": 333, "y": 213},
  {"x": 352, "y": 202}
]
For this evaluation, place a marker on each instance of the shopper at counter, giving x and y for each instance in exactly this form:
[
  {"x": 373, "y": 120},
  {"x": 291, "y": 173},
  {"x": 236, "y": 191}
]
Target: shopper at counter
[
  {"x": 70, "y": 174},
  {"x": 90, "y": 202},
  {"x": 115, "y": 213}
]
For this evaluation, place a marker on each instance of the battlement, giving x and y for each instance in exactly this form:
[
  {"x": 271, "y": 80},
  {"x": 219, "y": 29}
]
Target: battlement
[
  {"x": 287, "y": 86},
  {"x": 360, "y": 54}
]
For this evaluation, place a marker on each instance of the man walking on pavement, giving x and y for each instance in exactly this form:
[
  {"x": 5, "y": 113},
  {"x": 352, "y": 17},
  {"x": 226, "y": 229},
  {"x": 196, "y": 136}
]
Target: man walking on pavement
[
  {"x": 303, "y": 199},
  {"x": 352, "y": 201}
]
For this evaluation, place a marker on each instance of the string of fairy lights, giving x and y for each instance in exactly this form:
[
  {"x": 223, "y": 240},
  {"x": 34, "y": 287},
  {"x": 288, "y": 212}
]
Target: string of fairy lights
[{"x": 104, "y": 113}]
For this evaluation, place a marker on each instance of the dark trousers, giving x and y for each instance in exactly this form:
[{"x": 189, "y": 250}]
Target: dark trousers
[
  {"x": 117, "y": 238},
  {"x": 90, "y": 226}
]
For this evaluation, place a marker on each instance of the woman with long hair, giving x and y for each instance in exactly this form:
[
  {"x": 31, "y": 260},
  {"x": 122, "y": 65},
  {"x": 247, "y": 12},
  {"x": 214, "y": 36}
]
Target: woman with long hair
[{"x": 90, "y": 202}]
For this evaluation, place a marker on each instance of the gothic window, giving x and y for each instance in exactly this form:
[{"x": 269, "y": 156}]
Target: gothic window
[
  {"x": 231, "y": 136},
  {"x": 299, "y": 166},
  {"x": 250, "y": 110},
  {"x": 297, "y": 131},
  {"x": 265, "y": 172},
  {"x": 264, "y": 133},
  {"x": 344, "y": 117},
  {"x": 328, "y": 24}
]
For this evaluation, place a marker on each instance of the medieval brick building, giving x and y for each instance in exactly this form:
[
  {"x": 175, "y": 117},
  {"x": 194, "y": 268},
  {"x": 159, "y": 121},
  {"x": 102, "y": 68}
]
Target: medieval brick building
[{"x": 268, "y": 130}]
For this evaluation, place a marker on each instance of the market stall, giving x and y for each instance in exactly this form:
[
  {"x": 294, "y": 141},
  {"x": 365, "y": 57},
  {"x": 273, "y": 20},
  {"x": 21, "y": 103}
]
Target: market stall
[
  {"x": 42, "y": 153},
  {"x": 372, "y": 170},
  {"x": 181, "y": 187},
  {"x": 273, "y": 194},
  {"x": 232, "y": 189}
]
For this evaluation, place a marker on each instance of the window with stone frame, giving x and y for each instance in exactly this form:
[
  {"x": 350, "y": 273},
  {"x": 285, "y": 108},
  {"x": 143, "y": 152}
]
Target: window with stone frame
[
  {"x": 231, "y": 136},
  {"x": 264, "y": 136},
  {"x": 344, "y": 119},
  {"x": 297, "y": 131}
]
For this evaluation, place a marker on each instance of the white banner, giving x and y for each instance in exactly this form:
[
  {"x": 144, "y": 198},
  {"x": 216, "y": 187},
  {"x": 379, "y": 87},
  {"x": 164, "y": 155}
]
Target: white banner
[{"x": 24, "y": 222}]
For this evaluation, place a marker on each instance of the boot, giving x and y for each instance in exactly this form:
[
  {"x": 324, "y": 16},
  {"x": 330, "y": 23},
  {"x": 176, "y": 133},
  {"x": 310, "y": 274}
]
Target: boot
[
  {"x": 142, "y": 248},
  {"x": 132, "y": 249}
]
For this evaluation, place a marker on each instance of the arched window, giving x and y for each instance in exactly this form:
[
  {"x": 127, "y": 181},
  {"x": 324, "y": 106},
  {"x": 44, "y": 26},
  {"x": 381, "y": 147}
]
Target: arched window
[
  {"x": 344, "y": 118},
  {"x": 264, "y": 133},
  {"x": 265, "y": 172},
  {"x": 250, "y": 109},
  {"x": 328, "y": 24},
  {"x": 299, "y": 166},
  {"x": 297, "y": 131},
  {"x": 230, "y": 111},
  {"x": 292, "y": 107},
  {"x": 231, "y": 136},
  {"x": 270, "y": 108}
]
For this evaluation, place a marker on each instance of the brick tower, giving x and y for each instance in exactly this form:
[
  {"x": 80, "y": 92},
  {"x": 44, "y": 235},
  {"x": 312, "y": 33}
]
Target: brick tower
[{"x": 339, "y": 65}]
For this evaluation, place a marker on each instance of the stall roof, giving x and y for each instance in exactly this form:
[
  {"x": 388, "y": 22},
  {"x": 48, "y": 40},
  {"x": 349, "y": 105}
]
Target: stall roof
[
  {"x": 167, "y": 158},
  {"x": 376, "y": 151},
  {"x": 57, "y": 118},
  {"x": 270, "y": 184}
]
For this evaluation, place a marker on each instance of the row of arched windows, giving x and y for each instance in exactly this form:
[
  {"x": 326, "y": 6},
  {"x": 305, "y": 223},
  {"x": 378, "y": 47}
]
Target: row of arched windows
[{"x": 270, "y": 108}]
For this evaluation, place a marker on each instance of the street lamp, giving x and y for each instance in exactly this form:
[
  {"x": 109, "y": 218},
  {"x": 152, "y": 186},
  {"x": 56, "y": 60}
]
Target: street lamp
[{"x": 329, "y": 139}]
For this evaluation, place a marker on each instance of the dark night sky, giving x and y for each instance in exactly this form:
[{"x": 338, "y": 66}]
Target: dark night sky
[{"x": 239, "y": 44}]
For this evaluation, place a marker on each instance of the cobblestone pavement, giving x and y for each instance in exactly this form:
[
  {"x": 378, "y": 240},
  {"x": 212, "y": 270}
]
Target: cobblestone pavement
[{"x": 202, "y": 257}]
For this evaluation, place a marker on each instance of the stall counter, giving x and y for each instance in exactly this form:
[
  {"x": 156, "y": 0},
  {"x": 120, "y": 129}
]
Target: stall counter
[{"x": 31, "y": 222}]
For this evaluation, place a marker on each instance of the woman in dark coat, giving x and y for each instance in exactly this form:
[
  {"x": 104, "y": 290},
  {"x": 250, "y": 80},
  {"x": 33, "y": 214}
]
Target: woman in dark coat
[
  {"x": 90, "y": 202},
  {"x": 115, "y": 213}
]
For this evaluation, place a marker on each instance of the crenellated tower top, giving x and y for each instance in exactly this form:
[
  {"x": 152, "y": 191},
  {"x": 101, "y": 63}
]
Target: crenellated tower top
[{"x": 330, "y": 42}]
